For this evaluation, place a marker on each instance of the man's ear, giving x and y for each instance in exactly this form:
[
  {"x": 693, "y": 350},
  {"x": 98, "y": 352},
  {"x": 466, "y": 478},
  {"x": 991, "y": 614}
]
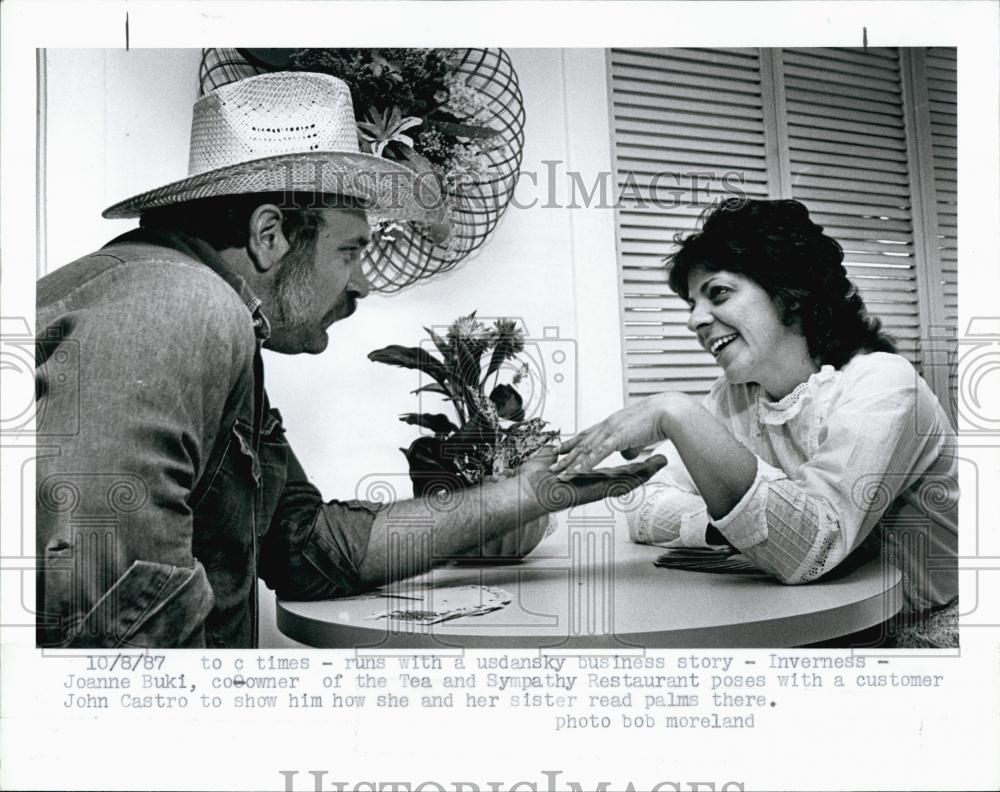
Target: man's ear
[{"x": 266, "y": 243}]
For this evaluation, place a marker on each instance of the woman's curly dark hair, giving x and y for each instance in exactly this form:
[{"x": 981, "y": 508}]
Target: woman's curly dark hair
[{"x": 776, "y": 245}]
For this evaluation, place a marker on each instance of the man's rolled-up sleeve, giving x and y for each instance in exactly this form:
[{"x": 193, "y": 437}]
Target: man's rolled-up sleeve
[{"x": 314, "y": 548}]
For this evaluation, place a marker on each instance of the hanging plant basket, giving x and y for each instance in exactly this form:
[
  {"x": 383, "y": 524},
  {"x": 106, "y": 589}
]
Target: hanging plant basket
[{"x": 470, "y": 131}]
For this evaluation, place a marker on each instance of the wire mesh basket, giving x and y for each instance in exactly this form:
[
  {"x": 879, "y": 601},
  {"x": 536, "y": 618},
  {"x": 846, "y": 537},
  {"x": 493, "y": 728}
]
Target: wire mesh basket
[{"x": 410, "y": 253}]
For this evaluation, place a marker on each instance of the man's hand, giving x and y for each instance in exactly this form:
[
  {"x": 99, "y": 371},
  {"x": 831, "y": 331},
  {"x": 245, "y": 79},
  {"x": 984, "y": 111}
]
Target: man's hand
[{"x": 552, "y": 494}]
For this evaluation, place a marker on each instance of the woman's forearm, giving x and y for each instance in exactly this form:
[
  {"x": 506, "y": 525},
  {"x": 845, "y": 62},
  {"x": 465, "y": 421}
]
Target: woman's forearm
[{"x": 721, "y": 467}]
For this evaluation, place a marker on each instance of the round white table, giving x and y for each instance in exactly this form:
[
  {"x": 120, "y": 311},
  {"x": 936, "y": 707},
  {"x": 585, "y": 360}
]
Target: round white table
[{"x": 595, "y": 591}]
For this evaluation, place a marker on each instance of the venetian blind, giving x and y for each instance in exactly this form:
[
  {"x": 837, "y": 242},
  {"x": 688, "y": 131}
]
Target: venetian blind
[
  {"x": 848, "y": 157},
  {"x": 942, "y": 106},
  {"x": 688, "y": 125}
]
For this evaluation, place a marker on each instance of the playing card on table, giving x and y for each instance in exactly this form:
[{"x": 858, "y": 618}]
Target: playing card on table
[
  {"x": 447, "y": 602},
  {"x": 705, "y": 559}
]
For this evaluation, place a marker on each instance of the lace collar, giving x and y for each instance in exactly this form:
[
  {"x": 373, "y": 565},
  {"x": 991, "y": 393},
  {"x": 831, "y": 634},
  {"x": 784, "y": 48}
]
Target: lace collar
[{"x": 786, "y": 408}]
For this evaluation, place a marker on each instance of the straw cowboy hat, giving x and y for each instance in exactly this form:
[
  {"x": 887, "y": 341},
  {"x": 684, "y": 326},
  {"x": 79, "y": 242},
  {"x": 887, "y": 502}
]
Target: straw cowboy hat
[{"x": 285, "y": 132}]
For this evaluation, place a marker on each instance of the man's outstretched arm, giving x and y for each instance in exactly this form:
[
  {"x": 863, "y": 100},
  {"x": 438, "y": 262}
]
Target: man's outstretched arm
[{"x": 409, "y": 537}]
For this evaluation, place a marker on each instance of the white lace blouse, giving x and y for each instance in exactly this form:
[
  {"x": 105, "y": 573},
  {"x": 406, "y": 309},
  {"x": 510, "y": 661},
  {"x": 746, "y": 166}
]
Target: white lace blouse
[{"x": 863, "y": 455}]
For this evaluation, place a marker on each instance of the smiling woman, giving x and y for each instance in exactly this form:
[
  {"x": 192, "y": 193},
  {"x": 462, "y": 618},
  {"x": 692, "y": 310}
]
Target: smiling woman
[{"x": 818, "y": 445}]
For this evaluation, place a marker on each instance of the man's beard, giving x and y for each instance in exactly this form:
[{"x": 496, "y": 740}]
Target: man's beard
[{"x": 295, "y": 287}]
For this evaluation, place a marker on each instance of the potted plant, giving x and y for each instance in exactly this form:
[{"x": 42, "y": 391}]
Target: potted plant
[{"x": 489, "y": 438}]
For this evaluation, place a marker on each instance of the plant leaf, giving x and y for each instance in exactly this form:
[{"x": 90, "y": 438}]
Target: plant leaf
[
  {"x": 461, "y": 130},
  {"x": 411, "y": 358},
  {"x": 438, "y": 423},
  {"x": 496, "y": 360},
  {"x": 430, "y": 471},
  {"x": 475, "y": 432},
  {"x": 521, "y": 441},
  {"x": 466, "y": 366},
  {"x": 508, "y": 402},
  {"x": 432, "y": 387},
  {"x": 440, "y": 343},
  {"x": 407, "y": 123}
]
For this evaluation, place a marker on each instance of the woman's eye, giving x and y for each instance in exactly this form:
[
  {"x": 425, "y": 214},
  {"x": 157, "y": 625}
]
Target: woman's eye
[{"x": 718, "y": 292}]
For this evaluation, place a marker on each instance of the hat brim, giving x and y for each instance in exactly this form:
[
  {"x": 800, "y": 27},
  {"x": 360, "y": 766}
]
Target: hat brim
[{"x": 387, "y": 188}]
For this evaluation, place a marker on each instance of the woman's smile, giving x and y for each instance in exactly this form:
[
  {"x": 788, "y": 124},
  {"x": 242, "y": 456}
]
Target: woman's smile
[{"x": 719, "y": 343}]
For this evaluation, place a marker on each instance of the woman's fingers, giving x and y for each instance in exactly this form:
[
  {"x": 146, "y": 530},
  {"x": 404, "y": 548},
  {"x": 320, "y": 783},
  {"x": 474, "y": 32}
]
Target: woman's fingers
[
  {"x": 571, "y": 450},
  {"x": 578, "y": 456},
  {"x": 628, "y": 431},
  {"x": 573, "y": 442},
  {"x": 564, "y": 462},
  {"x": 588, "y": 455},
  {"x": 568, "y": 445}
]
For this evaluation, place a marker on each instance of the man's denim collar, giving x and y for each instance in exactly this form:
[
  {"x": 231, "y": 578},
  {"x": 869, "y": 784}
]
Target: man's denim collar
[{"x": 201, "y": 251}]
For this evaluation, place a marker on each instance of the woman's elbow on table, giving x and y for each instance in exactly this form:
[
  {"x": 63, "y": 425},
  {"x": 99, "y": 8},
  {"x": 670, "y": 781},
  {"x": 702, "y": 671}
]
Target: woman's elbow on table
[{"x": 779, "y": 559}]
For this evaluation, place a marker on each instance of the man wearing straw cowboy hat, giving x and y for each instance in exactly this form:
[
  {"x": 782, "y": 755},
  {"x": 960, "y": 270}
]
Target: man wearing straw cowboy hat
[{"x": 173, "y": 488}]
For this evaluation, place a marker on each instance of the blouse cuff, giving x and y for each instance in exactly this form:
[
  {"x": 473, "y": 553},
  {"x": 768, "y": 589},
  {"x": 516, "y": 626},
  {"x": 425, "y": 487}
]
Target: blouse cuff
[
  {"x": 746, "y": 523},
  {"x": 669, "y": 517},
  {"x": 693, "y": 528}
]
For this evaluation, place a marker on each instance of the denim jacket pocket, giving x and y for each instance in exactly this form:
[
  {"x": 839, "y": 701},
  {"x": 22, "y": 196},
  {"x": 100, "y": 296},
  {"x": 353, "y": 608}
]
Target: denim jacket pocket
[
  {"x": 151, "y": 605},
  {"x": 274, "y": 467},
  {"x": 247, "y": 457},
  {"x": 55, "y": 593},
  {"x": 223, "y": 529}
]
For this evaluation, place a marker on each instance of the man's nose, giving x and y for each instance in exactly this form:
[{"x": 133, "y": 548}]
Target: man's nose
[{"x": 359, "y": 281}]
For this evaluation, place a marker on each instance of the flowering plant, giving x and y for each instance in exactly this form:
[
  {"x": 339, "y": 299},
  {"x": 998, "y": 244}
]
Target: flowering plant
[{"x": 492, "y": 437}]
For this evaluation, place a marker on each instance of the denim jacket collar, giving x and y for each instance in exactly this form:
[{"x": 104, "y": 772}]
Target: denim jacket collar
[{"x": 200, "y": 251}]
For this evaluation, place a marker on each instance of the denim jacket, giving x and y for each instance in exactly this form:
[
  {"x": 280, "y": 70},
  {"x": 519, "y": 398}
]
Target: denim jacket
[{"x": 165, "y": 484}]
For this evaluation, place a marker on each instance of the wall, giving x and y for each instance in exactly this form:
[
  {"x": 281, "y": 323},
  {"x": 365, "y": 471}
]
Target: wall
[{"x": 118, "y": 123}]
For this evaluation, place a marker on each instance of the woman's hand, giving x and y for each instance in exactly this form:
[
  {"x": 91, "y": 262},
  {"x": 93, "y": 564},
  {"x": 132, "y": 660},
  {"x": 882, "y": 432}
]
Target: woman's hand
[{"x": 629, "y": 430}]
